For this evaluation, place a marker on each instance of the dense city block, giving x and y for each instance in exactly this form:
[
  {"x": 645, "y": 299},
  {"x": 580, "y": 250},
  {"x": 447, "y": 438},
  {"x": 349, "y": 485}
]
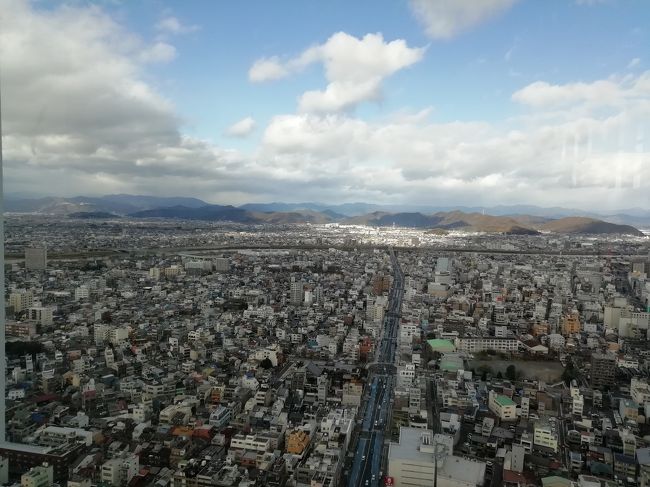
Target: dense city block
[{"x": 176, "y": 353}]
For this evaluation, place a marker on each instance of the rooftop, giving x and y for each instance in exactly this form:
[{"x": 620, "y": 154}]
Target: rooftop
[{"x": 504, "y": 401}]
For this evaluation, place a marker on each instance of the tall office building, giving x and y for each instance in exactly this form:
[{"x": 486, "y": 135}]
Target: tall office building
[{"x": 36, "y": 258}]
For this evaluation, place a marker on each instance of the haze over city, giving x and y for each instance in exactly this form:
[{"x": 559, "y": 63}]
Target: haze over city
[{"x": 472, "y": 103}]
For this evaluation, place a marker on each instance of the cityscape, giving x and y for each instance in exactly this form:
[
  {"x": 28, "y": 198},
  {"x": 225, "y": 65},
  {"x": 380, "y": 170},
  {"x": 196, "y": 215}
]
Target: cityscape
[
  {"x": 218, "y": 353},
  {"x": 369, "y": 243}
]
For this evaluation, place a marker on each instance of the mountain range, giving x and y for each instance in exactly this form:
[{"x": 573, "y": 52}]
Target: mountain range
[{"x": 517, "y": 219}]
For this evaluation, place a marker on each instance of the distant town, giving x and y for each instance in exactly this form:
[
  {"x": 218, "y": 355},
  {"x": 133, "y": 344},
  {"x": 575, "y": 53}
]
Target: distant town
[{"x": 183, "y": 352}]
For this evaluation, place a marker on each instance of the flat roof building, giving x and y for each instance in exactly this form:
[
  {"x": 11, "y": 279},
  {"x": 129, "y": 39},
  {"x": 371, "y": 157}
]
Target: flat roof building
[{"x": 411, "y": 461}]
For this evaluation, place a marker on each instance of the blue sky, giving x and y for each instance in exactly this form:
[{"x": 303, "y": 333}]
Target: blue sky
[
  {"x": 430, "y": 101},
  {"x": 469, "y": 77}
]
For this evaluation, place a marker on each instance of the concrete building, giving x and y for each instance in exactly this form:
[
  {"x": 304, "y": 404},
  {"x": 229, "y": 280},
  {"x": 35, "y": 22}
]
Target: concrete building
[
  {"x": 571, "y": 324},
  {"x": 479, "y": 344},
  {"x": 296, "y": 292},
  {"x": 42, "y": 476},
  {"x": 504, "y": 407},
  {"x": 120, "y": 471},
  {"x": 220, "y": 417},
  {"x": 643, "y": 459},
  {"x": 81, "y": 292},
  {"x": 21, "y": 300},
  {"x": 297, "y": 441},
  {"x": 603, "y": 370},
  {"x": 21, "y": 329},
  {"x": 411, "y": 461},
  {"x": 42, "y": 315},
  {"x": 352, "y": 392},
  {"x": 545, "y": 435},
  {"x": 517, "y": 458}
]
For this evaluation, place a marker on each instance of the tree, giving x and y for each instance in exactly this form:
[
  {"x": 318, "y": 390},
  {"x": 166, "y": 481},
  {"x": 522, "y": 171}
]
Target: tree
[
  {"x": 569, "y": 373},
  {"x": 266, "y": 364},
  {"x": 20, "y": 348},
  {"x": 499, "y": 375},
  {"x": 511, "y": 372}
]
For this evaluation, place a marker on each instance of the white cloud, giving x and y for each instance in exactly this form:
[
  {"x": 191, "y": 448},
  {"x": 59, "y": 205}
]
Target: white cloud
[
  {"x": 354, "y": 68},
  {"x": 79, "y": 117},
  {"x": 634, "y": 63},
  {"x": 587, "y": 158},
  {"x": 266, "y": 70},
  {"x": 444, "y": 19},
  {"x": 541, "y": 93},
  {"x": 172, "y": 25},
  {"x": 160, "y": 52},
  {"x": 616, "y": 92},
  {"x": 242, "y": 128}
]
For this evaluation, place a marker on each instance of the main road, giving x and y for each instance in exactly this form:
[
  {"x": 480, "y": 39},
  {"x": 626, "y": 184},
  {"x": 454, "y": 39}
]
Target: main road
[{"x": 381, "y": 380}]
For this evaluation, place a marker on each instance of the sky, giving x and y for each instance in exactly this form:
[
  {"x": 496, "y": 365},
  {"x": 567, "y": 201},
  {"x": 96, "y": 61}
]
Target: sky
[{"x": 427, "y": 102}]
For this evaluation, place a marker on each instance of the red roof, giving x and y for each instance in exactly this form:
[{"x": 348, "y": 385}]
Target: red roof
[{"x": 513, "y": 477}]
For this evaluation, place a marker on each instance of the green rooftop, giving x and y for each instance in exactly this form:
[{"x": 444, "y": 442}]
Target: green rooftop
[
  {"x": 439, "y": 345},
  {"x": 555, "y": 481},
  {"x": 504, "y": 401}
]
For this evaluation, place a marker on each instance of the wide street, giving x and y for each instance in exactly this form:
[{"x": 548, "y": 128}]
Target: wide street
[{"x": 366, "y": 469}]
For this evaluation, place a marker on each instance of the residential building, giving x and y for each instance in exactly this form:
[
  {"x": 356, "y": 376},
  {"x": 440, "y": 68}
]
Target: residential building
[
  {"x": 297, "y": 441},
  {"x": 119, "y": 471},
  {"x": 21, "y": 300},
  {"x": 545, "y": 435},
  {"x": 571, "y": 324},
  {"x": 41, "y": 476},
  {"x": 603, "y": 370}
]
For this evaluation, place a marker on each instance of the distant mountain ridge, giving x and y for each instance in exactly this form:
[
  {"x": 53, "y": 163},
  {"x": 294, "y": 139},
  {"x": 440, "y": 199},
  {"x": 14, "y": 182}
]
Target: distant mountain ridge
[
  {"x": 120, "y": 204},
  {"x": 478, "y": 222},
  {"x": 455, "y": 220},
  {"x": 519, "y": 219}
]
